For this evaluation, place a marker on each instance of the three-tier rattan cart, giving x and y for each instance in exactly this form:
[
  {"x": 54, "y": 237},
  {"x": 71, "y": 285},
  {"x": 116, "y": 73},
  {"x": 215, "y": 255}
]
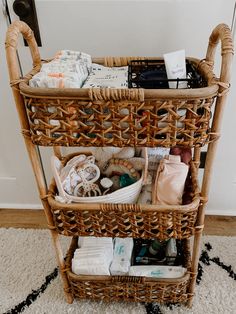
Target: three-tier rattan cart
[{"x": 73, "y": 108}]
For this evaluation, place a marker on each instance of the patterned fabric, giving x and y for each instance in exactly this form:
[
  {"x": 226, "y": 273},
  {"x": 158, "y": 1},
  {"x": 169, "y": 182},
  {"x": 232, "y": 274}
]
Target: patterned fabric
[
  {"x": 69, "y": 69},
  {"x": 104, "y": 77}
]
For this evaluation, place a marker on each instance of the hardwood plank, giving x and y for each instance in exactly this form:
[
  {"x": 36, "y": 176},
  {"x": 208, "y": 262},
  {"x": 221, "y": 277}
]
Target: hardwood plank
[
  {"x": 220, "y": 225},
  {"x": 26, "y": 218},
  {"x": 22, "y": 218}
]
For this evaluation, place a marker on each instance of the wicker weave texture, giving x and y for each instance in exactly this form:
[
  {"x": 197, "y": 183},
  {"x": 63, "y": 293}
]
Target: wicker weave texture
[
  {"x": 128, "y": 288},
  {"x": 136, "y": 292},
  {"x": 126, "y": 220},
  {"x": 126, "y": 223},
  {"x": 75, "y": 122}
]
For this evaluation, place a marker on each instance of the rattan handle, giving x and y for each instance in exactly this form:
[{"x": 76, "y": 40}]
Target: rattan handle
[
  {"x": 12, "y": 36},
  {"x": 221, "y": 33}
]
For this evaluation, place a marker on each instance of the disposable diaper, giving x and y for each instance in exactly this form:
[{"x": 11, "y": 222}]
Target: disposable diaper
[
  {"x": 93, "y": 257},
  {"x": 69, "y": 69}
]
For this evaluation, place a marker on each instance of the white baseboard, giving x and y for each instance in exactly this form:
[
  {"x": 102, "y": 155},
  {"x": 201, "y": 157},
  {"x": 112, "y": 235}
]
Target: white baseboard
[
  {"x": 225, "y": 212},
  {"x": 21, "y": 206}
]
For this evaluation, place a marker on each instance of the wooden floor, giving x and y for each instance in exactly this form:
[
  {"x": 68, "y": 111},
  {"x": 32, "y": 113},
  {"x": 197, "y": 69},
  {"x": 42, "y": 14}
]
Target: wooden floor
[{"x": 25, "y": 218}]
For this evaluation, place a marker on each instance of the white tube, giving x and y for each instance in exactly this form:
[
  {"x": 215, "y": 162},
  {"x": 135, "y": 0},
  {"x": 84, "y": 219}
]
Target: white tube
[{"x": 176, "y": 68}]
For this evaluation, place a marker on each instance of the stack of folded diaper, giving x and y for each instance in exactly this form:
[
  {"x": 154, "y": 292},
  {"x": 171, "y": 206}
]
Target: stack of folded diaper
[
  {"x": 69, "y": 69},
  {"x": 93, "y": 257},
  {"x": 74, "y": 69}
]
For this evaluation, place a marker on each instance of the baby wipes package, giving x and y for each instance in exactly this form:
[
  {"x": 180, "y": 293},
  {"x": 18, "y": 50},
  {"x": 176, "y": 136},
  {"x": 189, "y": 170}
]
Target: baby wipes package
[
  {"x": 157, "y": 271},
  {"x": 122, "y": 256}
]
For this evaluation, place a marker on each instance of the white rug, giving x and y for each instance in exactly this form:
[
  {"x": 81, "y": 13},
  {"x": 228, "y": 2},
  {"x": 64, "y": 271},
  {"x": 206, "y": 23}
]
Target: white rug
[{"x": 30, "y": 284}]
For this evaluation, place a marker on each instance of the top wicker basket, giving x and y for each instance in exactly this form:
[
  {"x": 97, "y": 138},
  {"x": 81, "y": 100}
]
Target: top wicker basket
[{"x": 93, "y": 117}]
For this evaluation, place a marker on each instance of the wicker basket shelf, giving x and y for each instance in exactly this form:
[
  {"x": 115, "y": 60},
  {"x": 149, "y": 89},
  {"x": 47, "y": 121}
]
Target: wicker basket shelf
[
  {"x": 94, "y": 117},
  {"x": 125, "y": 220},
  {"x": 124, "y": 117},
  {"x": 130, "y": 288}
]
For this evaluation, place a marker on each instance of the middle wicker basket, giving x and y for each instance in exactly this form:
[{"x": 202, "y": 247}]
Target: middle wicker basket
[
  {"x": 126, "y": 220},
  {"x": 126, "y": 195}
]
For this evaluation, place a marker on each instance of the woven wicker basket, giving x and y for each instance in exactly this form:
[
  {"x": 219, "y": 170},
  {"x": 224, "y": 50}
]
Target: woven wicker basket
[
  {"x": 130, "y": 288},
  {"x": 108, "y": 126},
  {"x": 126, "y": 220},
  {"x": 126, "y": 195}
]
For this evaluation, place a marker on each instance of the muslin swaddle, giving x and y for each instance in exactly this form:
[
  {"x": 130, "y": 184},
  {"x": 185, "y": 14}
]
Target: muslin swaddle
[
  {"x": 107, "y": 77},
  {"x": 170, "y": 180}
]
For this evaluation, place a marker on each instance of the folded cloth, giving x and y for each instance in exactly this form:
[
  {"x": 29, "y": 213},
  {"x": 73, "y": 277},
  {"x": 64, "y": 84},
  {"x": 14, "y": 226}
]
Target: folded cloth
[
  {"x": 69, "y": 69},
  {"x": 170, "y": 181},
  {"x": 155, "y": 155},
  {"x": 107, "y": 77}
]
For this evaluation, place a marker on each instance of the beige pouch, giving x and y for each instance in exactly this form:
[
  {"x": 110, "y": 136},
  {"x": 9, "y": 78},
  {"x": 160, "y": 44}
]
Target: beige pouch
[{"x": 169, "y": 182}]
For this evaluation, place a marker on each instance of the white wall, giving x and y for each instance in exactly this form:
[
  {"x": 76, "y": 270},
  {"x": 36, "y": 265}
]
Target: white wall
[
  {"x": 17, "y": 185},
  {"x": 118, "y": 28}
]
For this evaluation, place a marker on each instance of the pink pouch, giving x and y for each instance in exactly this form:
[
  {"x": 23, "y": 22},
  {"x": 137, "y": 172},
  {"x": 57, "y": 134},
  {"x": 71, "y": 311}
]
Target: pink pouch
[{"x": 169, "y": 182}]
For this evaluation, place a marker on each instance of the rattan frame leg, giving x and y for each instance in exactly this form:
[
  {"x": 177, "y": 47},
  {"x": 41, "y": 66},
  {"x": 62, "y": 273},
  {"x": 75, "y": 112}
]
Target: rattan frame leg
[
  {"x": 35, "y": 161},
  {"x": 220, "y": 33},
  {"x": 11, "y": 46}
]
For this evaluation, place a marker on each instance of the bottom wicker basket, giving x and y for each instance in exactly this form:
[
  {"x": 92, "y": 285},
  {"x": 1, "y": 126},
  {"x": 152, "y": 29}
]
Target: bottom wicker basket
[{"x": 129, "y": 288}]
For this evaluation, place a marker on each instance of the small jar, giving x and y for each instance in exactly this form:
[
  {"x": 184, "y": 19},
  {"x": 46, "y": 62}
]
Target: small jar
[{"x": 155, "y": 247}]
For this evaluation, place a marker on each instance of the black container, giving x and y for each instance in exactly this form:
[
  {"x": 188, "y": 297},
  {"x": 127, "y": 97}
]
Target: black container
[
  {"x": 151, "y": 74},
  {"x": 141, "y": 255}
]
